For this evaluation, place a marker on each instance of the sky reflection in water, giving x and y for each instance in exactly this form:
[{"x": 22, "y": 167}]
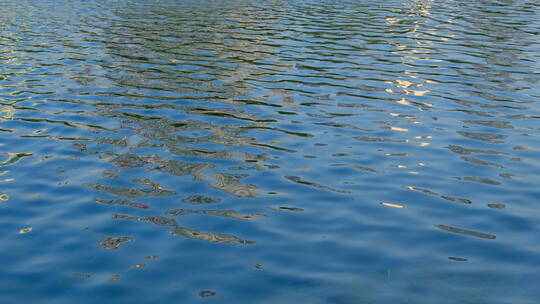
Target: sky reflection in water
[{"x": 269, "y": 151}]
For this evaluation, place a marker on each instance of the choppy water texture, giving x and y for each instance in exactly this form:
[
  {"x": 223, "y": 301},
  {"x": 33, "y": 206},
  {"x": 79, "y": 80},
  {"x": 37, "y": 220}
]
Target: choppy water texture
[{"x": 269, "y": 151}]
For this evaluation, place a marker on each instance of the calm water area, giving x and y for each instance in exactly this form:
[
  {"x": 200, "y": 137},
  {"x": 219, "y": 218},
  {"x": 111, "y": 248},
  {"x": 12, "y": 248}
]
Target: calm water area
[{"x": 321, "y": 152}]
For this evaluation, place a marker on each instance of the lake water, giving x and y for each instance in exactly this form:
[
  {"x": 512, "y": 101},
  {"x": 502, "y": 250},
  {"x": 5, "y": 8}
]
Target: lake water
[{"x": 322, "y": 152}]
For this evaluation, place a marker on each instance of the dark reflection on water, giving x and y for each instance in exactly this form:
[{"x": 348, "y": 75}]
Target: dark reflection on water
[{"x": 359, "y": 150}]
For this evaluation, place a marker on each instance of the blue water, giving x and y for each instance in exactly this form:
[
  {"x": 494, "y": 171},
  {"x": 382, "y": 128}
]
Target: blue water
[{"x": 320, "y": 152}]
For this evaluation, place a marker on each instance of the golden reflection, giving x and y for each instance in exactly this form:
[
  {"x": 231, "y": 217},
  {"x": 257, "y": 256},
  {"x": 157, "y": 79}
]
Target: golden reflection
[
  {"x": 413, "y": 51},
  {"x": 391, "y": 20},
  {"x": 402, "y": 115},
  {"x": 419, "y": 93},
  {"x": 392, "y": 205},
  {"x": 25, "y": 230},
  {"x": 403, "y": 84},
  {"x": 404, "y": 102}
]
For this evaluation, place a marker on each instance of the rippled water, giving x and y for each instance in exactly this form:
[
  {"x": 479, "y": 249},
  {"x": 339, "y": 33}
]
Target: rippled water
[{"x": 269, "y": 151}]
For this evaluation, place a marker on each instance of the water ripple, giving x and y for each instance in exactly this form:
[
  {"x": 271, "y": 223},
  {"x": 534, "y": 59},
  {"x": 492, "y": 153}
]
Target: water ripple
[{"x": 329, "y": 136}]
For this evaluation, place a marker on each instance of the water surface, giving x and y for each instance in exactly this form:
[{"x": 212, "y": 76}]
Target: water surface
[{"x": 269, "y": 151}]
